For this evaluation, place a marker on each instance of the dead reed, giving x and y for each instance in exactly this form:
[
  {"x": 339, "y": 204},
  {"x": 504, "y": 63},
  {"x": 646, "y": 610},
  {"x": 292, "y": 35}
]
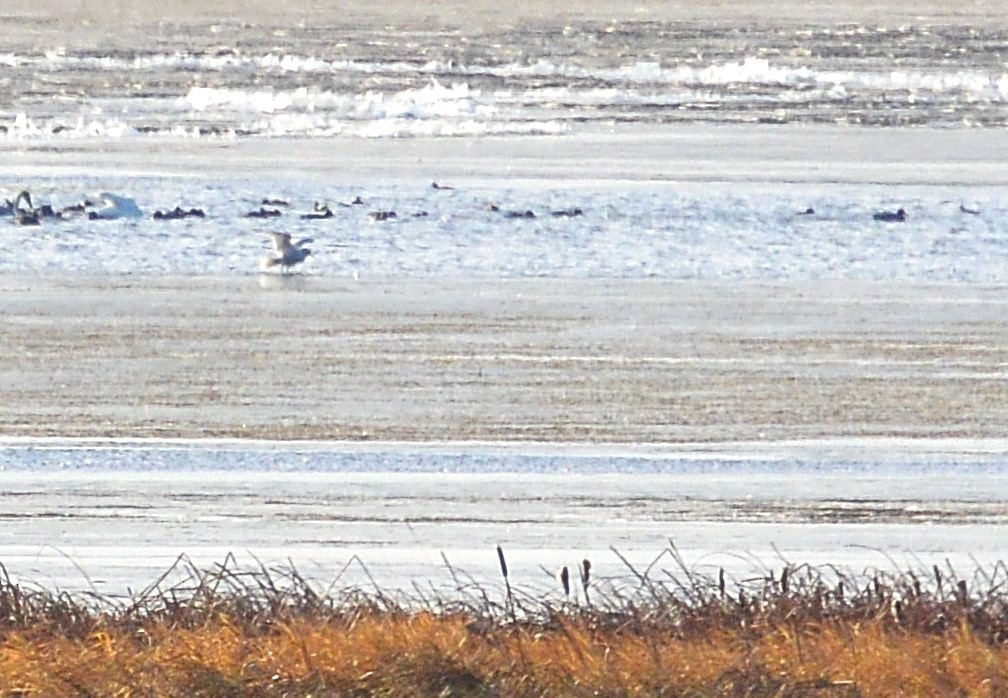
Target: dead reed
[{"x": 795, "y": 630}]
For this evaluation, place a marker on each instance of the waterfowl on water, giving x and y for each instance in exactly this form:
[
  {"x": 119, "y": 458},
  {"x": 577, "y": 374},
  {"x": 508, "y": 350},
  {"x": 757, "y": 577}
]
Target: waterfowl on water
[
  {"x": 24, "y": 216},
  {"x": 891, "y": 217},
  {"x": 567, "y": 213},
  {"x": 288, "y": 253},
  {"x": 318, "y": 212},
  {"x": 177, "y": 213},
  {"x": 263, "y": 213},
  {"x": 528, "y": 213},
  {"x": 47, "y": 211},
  {"x": 81, "y": 207},
  {"x": 971, "y": 211},
  {"x": 115, "y": 207}
]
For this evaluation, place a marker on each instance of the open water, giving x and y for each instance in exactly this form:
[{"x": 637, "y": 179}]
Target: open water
[{"x": 243, "y": 83}]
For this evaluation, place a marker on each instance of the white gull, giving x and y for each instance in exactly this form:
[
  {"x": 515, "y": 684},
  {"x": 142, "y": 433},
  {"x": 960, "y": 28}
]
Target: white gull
[{"x": 288, "y": 253}]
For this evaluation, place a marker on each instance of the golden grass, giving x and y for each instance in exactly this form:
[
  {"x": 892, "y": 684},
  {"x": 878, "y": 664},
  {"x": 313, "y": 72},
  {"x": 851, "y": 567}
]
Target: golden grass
[{"x": 268, "y": 633}]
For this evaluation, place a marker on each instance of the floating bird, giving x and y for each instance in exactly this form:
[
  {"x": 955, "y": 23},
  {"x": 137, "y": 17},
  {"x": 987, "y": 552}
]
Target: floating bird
[
  {"x": 177, "y": 213},
  {"x": 263, "y": 213},
  {"x": 47, "y": 211},
  {"x": 519, "y": 214},
  {"x": 382, "y": 215},
  {"x": 288, "y": 253},
  {"x": 319, "y": 211},
  {"x": 807, "y": 212},
  {"x": 567, "y": 213},
  {"x": 115, "y": 207},
  {"x": 971, "y": 211},
  {"x": 890, "y": 217},
  {"x": 275, "y": 202},
  {"x": 528, "y": 213},
  {"x": 356, "y": 202},
  {"x": 81, "y": 207},
  {"x": 24, "y": 216},
  {"x": 442, "y": 187}
]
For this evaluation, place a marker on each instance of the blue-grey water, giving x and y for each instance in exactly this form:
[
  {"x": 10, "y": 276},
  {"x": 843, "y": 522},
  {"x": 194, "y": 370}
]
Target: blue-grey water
[
  {"x": 233, "y": 83},
  {"x": 477, "y": 459},
  {"x": 239, "y": 83},
  {"x": 240, "y": 80}
]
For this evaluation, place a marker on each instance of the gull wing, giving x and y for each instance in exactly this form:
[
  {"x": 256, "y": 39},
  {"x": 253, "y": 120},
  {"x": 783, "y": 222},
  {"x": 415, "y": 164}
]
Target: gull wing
[{"x": 281, "y": 242}]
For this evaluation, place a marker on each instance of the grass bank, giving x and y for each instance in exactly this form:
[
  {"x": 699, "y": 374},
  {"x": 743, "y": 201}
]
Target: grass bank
[{"x": 794, "y": 631}]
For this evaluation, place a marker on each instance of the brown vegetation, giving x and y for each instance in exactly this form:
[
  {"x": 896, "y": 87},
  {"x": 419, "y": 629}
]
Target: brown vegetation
[{"x": 268, "y": 632}]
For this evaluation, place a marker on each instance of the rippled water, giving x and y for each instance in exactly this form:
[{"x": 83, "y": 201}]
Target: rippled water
[
  {"x": 244, "y": 81},
  {"x": 639, "y": 231}
]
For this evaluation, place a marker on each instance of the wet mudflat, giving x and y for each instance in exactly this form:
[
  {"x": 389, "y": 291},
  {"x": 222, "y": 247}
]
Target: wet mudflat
[{"x": 304, "y": 357}]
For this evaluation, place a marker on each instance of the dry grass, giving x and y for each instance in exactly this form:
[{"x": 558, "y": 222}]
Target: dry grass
[{"x": 269, "y": 632}]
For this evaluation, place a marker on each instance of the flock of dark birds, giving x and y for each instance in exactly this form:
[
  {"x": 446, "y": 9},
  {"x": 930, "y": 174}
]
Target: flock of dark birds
[{"x": 288, "y": 253}]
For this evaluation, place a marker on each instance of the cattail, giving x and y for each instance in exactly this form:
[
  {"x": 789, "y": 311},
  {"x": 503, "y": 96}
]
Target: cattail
[
  {"x": 565, "y": 580},
  {"x": 937, "y": 574},
  {"x": 585, "y": 578},
  {"x": 784, "y": 581},
  {"x": 503, "y": 563},
  {"x": 963, "y": 597},
  {"x": 839, "y": 591},
  {"x": 720, "y": 582},
  {"x": 507, "y": 584}
]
